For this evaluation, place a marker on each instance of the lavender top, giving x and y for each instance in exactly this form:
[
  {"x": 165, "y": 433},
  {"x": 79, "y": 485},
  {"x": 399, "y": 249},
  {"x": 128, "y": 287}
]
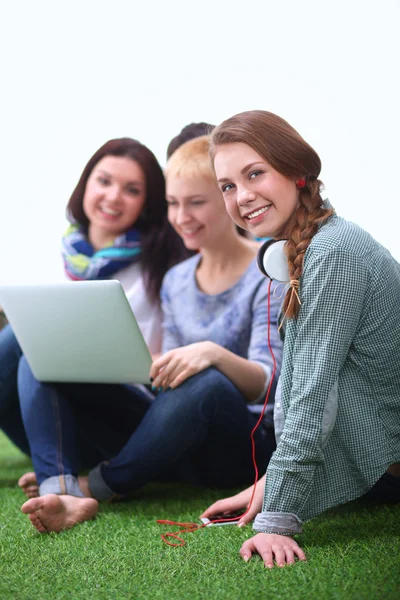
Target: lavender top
[{"x": 236, "y": 319}]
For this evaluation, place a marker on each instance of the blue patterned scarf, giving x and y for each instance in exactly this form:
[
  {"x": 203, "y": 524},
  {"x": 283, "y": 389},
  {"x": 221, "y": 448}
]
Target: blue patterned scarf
[{"x": 82, "y": 261}]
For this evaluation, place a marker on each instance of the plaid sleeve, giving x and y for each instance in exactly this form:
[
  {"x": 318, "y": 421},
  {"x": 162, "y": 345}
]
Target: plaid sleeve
[{"x": 333, "y": 295}]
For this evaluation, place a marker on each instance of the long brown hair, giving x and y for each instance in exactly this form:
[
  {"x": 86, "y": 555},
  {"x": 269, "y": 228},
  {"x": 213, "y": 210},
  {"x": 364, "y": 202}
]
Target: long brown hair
[
  {"x": 162, "y": 248},
  {"x": 288, "y": 153}
]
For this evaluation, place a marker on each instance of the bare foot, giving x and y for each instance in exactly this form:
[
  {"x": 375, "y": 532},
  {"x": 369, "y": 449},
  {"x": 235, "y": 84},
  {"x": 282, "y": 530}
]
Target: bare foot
[
  {"x": 55, "y": 513},
  {"x": 28, "y": 484}
]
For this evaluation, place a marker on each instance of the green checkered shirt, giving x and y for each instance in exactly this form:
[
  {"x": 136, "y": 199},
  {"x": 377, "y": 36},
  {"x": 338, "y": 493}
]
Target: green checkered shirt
[{"x": 340, "y": 379}]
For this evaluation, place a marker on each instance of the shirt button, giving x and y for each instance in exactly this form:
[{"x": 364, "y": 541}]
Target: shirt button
[{"x": 278, "y": 405}]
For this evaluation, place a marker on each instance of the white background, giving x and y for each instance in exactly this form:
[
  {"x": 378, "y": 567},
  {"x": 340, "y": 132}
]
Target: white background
[{"x": 75, "y": 74}]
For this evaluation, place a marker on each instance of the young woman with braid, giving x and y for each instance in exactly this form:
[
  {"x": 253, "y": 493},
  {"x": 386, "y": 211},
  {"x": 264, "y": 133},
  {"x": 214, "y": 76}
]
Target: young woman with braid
[
  {"x": 337, "y": 407},
  {"x": 209, "y": 382}
]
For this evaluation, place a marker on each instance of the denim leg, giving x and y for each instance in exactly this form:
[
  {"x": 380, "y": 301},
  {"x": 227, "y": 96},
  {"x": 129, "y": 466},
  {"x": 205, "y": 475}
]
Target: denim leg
[
  {"x": 10, "y": 414},
  {"x": 71, "y": 425},
  {"x": 206, "y": 420},
  {"x": 50, "y": 426},
  {"x": 386, "y": 490}
]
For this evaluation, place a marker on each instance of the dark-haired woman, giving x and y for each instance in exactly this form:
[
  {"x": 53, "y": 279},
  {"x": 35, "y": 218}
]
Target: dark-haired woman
[
  {"x": 337, "y": 408},
  {"x": 118, "y": 226},
  {"x": 212, "y": 376}
]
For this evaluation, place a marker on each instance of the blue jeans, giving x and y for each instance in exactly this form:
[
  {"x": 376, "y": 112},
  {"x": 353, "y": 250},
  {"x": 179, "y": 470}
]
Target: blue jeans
[
  {"x": 10, "y": 414},
  {"x": 198, "y": 433},
  {"x": 386, "y": 490}
]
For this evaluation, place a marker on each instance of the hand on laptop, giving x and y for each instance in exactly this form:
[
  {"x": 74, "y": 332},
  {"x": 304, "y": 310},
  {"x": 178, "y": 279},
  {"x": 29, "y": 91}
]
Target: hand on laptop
[{"x": 175, "y": 366}]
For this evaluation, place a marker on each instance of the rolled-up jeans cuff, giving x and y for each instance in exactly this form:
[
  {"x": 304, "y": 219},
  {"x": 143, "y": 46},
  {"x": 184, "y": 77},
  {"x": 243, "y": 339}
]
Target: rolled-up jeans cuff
[
  {"x": 277, "y": 522},
  {"x": 61, "y": 484},
  {"x": 98, "y": 487}
]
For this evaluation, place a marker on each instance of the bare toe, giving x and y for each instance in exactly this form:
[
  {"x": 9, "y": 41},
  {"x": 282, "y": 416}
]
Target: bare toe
[
  {"x": 28, "y": 484},
  {"x": 32, "y": 491},
  {"x": 36, "y": 522},
  {"x": 32, "y": 506}
]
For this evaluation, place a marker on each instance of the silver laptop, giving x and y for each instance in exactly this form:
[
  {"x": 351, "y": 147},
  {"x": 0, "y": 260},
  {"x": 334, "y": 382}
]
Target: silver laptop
[{"x": 82, "y": 331}]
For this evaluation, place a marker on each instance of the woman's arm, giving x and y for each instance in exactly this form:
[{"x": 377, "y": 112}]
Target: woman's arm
[
  {"x": 333, "y": 294},
  {"x": 177, "y": 365},
  {"x": 251, "y": 375},
  {"x": 170, "y": 334}
]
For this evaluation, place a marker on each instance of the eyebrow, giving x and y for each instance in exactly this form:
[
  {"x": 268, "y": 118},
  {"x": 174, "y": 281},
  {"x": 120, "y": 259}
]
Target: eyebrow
[
  {"x": 243, "y": 171},
  {"x": 133, "y": 182},
  {"x": 199, "y": 196}
]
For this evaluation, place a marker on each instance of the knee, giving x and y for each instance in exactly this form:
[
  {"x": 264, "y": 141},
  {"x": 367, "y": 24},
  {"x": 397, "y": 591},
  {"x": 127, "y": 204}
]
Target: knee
[
  {"x": 211, "y": 381},
  {"x": 24, "y": 370},
  {"x": 206, "y": 387},
  {"x": 27, "y": 383},
  {"x": 10, "y": 354},
  {"x": 9, "y": 346}
]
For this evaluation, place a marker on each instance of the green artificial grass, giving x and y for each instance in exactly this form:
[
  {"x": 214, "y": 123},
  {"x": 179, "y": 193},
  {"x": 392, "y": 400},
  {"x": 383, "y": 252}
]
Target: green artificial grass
[{"x": 353, "y": 551}]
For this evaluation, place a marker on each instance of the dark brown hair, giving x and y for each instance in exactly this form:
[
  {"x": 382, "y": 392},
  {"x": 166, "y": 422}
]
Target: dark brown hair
[
  {"x": 288, "y": 153},
  {"x": 189, "y": 132},
  {"x": 161, "y": 246}
]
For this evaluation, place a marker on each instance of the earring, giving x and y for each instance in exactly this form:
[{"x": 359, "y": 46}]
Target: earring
[{"x": 301, "y": 182}]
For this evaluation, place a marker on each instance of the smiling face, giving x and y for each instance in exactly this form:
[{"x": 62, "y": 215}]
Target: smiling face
[
  {"x": 257, "y": 197},
  {"x": 196, "y": 211},
  {"x": 114, "y": 196}
]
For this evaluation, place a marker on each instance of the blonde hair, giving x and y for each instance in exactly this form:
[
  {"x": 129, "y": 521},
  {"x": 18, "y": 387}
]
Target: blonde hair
[
  {"x": 192, "y": 160},
  {"x": 286, "y": 151}
]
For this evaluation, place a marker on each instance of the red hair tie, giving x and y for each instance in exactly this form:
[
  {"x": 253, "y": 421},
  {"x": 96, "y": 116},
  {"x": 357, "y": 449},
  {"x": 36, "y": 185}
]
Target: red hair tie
[{"x": 301, "y": 182}]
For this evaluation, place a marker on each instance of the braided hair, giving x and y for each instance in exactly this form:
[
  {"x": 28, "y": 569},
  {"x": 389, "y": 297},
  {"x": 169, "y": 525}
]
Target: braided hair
[
  {"x": 288, "y": 153},
  {"x": 306, "y": 220}
]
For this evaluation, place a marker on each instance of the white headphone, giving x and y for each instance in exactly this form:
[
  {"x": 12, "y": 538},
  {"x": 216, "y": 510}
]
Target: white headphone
[{"x": 272, "y": 261}]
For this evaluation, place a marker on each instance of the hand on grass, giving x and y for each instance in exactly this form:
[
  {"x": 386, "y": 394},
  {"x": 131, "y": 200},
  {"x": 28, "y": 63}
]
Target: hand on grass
[
  {"x": 271, "y": 545},
  {"x": 239, "y": 502},
  {"x": 174, "y": 367}
]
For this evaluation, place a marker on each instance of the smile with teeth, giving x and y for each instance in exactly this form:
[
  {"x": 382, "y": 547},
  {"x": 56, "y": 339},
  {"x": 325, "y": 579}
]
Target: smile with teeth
[
  {"x": 190, "y": 231},
  {"x": 110, "y": 211},
  {"x": 258, "y": 212}
]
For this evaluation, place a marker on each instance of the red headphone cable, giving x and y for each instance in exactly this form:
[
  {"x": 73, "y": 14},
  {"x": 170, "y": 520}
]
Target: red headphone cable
[{"x": 190, "y": 527}]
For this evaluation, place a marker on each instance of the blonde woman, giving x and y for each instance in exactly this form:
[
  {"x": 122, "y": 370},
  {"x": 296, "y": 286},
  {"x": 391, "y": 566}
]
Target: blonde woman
[{"x": 210, "y": 380}]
